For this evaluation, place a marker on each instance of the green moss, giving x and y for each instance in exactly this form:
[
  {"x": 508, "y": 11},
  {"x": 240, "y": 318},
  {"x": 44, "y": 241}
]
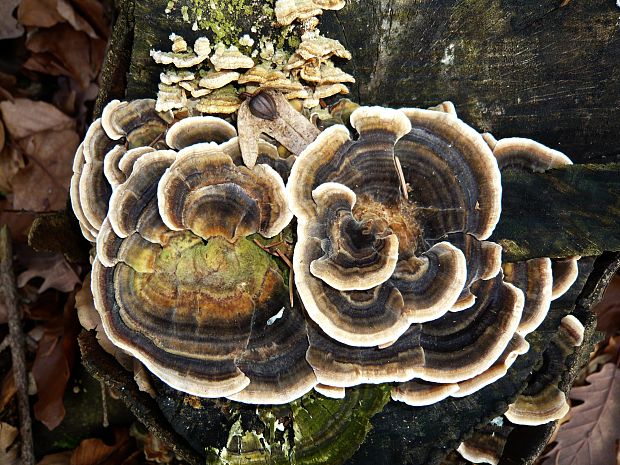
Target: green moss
[
  {"x": 224, "y": 265},
  {"x": 320, "y": 430}
]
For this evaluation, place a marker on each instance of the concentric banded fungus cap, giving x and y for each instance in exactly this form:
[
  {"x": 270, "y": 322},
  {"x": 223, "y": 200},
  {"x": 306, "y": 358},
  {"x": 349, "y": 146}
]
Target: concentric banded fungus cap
[
  {"x": 542, "y": 401},
  {"x": 208, "y": 315},
  {"x": 451, "y": 349},
  {"x": 487, "y": 443},
  {"x": 96, "y": 170},
  {"x": 365, "y": 267}
]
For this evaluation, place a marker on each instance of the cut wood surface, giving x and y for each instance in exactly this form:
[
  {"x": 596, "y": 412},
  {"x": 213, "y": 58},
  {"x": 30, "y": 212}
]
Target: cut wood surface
[{"x": 543, "y": 70}]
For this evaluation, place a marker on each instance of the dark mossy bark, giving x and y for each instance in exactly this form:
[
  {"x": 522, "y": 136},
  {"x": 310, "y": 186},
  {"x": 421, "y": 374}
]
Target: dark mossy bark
[{"x": 512, "y": 67}]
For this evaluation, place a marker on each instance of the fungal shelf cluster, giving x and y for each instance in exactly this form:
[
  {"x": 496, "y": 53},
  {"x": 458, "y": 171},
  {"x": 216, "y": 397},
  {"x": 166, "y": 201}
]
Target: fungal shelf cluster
[
  {"x": 253, "y": 243},
  {"x": 395, "y": 280}
]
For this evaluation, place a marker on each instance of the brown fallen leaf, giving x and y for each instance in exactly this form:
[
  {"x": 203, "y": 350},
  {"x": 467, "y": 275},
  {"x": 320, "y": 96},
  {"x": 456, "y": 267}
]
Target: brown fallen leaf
[
  {"x": 63, "y": 51},
  {"x": 97, "y": 452},
  {"x": 38, "y": 13},
  {"x": 59, "y": 458},
  {"x": 54, "y": 358},
  {"x": 43, "y": 185},
  {"x": 608, "y": 309},
  {"x": 23, "y": 117},
  {"x": 7, "y": 389},
  {"x": 11, "y": 161},
  {"x": 591, "y": 435},
  {"x": 9, "y": 452},
  {"x": 9, "y": 26},
  {"x": 53, "y": 268}
]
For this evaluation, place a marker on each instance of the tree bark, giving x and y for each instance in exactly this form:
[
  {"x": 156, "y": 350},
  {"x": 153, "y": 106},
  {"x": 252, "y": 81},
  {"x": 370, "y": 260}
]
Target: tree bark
[{"x": 543, "y": 70}]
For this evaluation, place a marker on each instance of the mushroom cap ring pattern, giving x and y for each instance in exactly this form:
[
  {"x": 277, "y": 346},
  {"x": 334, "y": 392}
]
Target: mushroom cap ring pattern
[{"x": 395, "y": 279}]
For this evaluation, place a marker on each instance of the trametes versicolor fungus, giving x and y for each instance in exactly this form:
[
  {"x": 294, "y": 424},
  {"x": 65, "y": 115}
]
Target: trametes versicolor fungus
[{"x": 398, "y": 280}]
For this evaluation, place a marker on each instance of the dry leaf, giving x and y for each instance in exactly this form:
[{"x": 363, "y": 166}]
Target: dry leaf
[
  {"x": 7, "y": 389},
  {"x": 8, "y": 455},
  {"x": 24, "y": 117},
  {"x": 43, "y": 185},
  {"x": 590, "y": 437},
  {"x": 52, "y": 364},
  {"x": 11, "y": 161},
  {"x": 63, "y": 51},
  {"x": 608, "y": 309},
  {"x": 9, "y": 27},
  {"x": 60, "y": 458},
  {"x": 96, "y": 452},
  {"x": 53, "y": 268},
  {"x": 38, "y": 13}
]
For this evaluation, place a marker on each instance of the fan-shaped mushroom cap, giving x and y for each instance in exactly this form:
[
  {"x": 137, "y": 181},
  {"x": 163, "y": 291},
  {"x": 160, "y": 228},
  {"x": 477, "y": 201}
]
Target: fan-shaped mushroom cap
[
  {"x": 230, "y": 58},
  {"x": 197, "y": 129},
  {"x": 370, "y": 222},
  {"x": 92, "y": 190},
  {"x": 111, "y": 170},
  {"x": 449, "y": 166},
  {"x": 210, "y": 319},
  {"x": 131, "y": 199},
  {"x": 528, "y": 154},
  {"x": 288, "y": 11},
  {"x": 129, "y": 158},
  {"x": 217, "y": 79},
  {"x": 221, "y": 101},
  {"x": 565, "y": 272},
  {"x": 542, "y": 401},
  {"x": 174, "y": 77},
  {"x": 487, "y": 443},
  {"x": 205, "y": 192},
  {"x": 419, "y": 393},
  {"x": 535, "y": 279},
  {"x": 450, "y": 349},
  {"x": 96, "y": 167},
  {"x": 88, "y": 230},
  {"x": 330, "y": 391}
]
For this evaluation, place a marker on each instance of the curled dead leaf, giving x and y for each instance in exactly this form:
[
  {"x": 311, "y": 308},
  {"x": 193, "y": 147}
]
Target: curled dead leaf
[
  {"x": 9, "y": 26},
  {"x": 52, "y": 365},
  {"x": 96, "y": 452},
  {"x": 43, "y": 185},
  {"x": 63, "y": 51},
  {"x": 24, "y": 117},
  {"x": 591, "y": 435},
  {"x": 53, "y": 268}
]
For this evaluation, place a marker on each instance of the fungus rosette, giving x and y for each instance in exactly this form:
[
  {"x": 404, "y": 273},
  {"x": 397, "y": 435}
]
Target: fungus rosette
[
  {"x": 178, "y": 279},
  {"x": 392, "y": 260}
]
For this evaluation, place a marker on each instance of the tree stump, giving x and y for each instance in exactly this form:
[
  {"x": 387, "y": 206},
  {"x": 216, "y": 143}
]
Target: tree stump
[{"x": 543, "y": 70}]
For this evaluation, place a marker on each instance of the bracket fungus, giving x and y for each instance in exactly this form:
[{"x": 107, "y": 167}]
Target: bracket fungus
[
  {"x": 176, "y": 280},
  {"x": 396, "y": 278}
]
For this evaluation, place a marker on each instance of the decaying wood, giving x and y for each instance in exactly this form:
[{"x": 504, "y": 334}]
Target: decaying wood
[
  {"x": 560, "y": 213},
  {"x": 8, "y": 295},
  {"x": 542, "y": 70}
]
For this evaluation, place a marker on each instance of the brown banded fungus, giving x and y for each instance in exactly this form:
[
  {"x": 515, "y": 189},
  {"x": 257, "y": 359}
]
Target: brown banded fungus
[
  {"x": 123, "y": 126},
  {"x": 392, "y": 261},
  {"x": 176, "y": 280}
]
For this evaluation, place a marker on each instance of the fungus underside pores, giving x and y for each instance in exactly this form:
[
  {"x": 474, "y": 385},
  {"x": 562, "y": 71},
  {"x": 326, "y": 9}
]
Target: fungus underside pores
[{"x": 395, "y": 280}]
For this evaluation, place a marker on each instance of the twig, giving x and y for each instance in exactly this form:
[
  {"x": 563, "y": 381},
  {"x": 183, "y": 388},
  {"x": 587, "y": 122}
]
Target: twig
[
  {"x": 8, "y": 292},
  {"x": 104, "y": 404}
]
